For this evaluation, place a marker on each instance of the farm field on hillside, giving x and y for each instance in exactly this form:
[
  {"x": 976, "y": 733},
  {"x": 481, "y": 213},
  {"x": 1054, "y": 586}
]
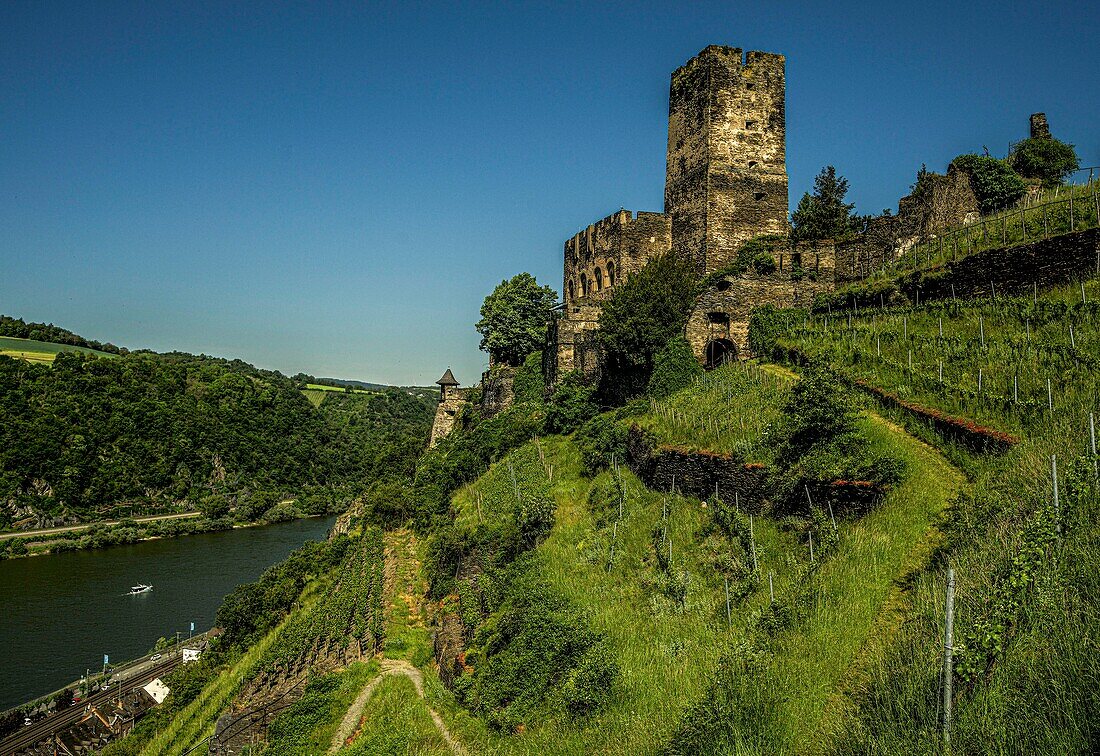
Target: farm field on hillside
[
  {"x": 40, "y": 351},
  {"x": 1023, "y": 542}
]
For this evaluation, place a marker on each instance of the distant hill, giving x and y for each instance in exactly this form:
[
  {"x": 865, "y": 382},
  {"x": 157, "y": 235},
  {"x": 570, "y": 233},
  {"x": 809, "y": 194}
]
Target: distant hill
[
  {"x": 322, "y": 384},
  {"x": 91, "y": 434}
]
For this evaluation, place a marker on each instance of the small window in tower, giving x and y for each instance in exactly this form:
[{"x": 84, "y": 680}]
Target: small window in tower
[
  {"x": 759, "y": 196},
  {"x": 599, "y": 279},
  {"x": 572, "y": 289},
  {"x": 751, "y": 85},
  {"x": 753, "y": 164},
  {"x": 584, "y": 285},
  {"x": 724, "y": 285},
  {"x": 749, "y": 125},
  {"x": 718, "y": 318},
  {"x": 611, "y": 274}
]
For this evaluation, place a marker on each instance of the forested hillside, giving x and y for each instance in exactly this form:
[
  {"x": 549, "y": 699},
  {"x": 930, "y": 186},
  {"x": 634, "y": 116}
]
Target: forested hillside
[{"x": 88, "y": 438}]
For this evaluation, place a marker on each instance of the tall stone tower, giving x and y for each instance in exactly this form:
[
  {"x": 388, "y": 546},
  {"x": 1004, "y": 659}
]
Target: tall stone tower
[{"x": 726, "y": 175}]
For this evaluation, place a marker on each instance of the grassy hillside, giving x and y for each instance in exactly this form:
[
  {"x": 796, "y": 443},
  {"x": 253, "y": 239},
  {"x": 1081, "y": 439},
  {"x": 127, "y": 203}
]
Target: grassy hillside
[{"x": 549, "y": 602}]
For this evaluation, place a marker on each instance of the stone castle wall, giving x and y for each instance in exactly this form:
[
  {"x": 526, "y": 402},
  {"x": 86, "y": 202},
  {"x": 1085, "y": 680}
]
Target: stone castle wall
[
  {"x": 718, "y": 327},
  {"x": 607, "y": 252}
]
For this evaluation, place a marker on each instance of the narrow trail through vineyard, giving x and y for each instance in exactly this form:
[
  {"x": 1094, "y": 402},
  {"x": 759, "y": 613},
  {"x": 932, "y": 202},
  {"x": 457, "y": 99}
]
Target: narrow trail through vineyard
[{"x": 405, "y": 624}]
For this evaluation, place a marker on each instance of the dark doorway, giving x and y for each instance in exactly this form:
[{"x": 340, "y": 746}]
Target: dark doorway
[{"x": 719, "y": 352}]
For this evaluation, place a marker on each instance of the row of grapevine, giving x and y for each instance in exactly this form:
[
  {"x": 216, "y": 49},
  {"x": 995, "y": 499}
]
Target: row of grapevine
[{"x": 345, "y": 623}]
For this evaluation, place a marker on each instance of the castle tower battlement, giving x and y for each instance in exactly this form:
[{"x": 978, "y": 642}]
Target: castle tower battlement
[{"x": 726, "y": 174}]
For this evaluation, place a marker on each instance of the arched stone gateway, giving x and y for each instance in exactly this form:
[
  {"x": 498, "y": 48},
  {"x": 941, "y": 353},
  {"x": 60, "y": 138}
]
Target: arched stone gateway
[{"x": 719, "y": 352}]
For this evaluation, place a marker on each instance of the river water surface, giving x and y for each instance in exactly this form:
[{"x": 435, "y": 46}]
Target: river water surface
[{"x": 60, "y": 614}]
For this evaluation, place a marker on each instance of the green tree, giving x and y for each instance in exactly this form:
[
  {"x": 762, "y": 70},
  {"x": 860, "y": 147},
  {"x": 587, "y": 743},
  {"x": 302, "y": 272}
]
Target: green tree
[
  {"x": 1044, "y": 158},
  {"x": 643, "y": 313},
  {"x": 214, "y": 506},
  {"x": 818, "y": 411},
  {"x": 824, "y": 214},
  {"x": 994, "y": 182},
  {"x": 514, "y": 318}
]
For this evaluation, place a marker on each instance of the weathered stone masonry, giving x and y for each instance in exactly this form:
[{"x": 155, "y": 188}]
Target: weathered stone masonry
[
  {"x": 451, "y": 400},
  {"x": 726, "y": 173}
]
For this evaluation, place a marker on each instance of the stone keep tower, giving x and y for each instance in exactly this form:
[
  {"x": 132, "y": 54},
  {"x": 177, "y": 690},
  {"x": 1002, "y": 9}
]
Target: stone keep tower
[{"x": 726, "y": 175}]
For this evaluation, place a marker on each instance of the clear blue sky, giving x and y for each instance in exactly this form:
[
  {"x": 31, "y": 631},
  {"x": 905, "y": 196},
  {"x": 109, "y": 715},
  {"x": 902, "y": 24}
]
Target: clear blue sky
[{"x": 334, "y": 189}]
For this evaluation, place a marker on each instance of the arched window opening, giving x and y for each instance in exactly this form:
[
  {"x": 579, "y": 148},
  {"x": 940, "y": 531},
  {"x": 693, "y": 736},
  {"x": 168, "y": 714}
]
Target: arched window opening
[
  {"x": 572, "y": 290},
  {"x": 611, "y": 274},
  {"x": 599, "y": 280},
  {"x": 584, "y": 285}
]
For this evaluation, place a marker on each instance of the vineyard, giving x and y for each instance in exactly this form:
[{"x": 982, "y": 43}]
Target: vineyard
[
  {"x": 1063, "y": 210},
  {"x": 1015, "y": 365},
  {"x": 345, "y": 626},
  {"x": 342, "y": 625},
  {"x": 1008, "y": 388},
  {"x": 733, "y": 409}
]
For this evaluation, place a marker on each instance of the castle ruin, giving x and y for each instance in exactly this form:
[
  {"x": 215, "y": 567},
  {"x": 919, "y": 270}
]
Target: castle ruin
[{"x": 725, "y": 183}]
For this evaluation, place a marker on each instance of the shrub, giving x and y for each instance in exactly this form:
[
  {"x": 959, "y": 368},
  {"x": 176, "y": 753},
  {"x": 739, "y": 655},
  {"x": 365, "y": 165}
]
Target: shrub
[
  {"x": 995, "y": 184},
  {"x": 604, "y": 437},
  {"x": 766, "y": 324},
  {"x": 1044, "y": 158},
  {"x": 534, "y": 516},
  {"x": 388, "y": 503},
  {"x": 571, "y": 404},
  {"x": 674, "y": 368},
  {"x": 537, "y": 651},
  {"x": 588, "y": 685},
  {"x": 282, "y": 512},
  {"x": 528, "y": 384}
]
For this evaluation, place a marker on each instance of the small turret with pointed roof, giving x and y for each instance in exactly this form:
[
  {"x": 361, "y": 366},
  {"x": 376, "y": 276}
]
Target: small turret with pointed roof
[{"x": 446, "y": 385}]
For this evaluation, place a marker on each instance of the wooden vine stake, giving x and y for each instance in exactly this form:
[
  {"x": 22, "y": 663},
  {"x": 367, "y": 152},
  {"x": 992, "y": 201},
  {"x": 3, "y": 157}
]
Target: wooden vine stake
[
  {"x": 948, "y": 648},
  {"x": 1092, "y": 443},
  {"x": 1057, "y": 503},
  {"x": 729, "y": 614},
  {"x": 752, "y": 544}
]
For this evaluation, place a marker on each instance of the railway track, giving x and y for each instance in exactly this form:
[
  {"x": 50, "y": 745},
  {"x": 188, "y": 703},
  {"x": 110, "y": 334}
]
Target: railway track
[{"x": 47, "y": 727}]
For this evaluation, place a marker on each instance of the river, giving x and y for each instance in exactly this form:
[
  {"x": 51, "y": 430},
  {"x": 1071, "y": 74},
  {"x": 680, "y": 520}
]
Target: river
[{"x": 60, "y": 614}]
